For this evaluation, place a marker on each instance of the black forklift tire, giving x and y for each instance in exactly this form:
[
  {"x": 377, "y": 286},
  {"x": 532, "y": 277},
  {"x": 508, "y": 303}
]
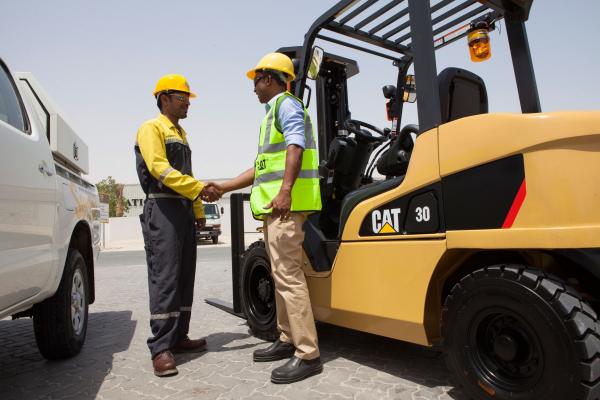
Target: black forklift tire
[
  {"x": 258, "y": 292},
  {"x": 215, "y": 239},
  {"x": 60, "y": 322},
  {"x": 513, "y": 332}
]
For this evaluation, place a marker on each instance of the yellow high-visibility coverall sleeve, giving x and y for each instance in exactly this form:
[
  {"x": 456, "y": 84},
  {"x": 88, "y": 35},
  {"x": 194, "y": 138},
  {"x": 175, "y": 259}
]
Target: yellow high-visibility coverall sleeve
[
  {"x": 151, "y": 141},
  {"x": 198, "y": 208}
]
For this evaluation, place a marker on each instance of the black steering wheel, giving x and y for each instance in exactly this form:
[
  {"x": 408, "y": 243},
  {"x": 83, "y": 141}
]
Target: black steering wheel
[{"x": 358, "y": 128}]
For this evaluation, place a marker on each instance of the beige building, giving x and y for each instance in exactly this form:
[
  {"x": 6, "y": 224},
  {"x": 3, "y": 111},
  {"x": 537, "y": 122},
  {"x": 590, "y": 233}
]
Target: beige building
[
  {"x": 127, "y": 228},
  {"x": 135, "y": 197}
]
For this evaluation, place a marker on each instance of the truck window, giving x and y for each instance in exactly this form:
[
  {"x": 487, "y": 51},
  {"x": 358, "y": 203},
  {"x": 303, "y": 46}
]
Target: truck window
[
  {"x": 11, "y": 110},
  {"x": 39, "y": 108},
  {"x": 211, "y": 211}
]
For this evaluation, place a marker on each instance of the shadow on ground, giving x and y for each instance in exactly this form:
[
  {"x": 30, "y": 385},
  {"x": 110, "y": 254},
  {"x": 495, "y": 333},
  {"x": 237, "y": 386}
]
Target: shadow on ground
[
  {"x": 22, "y": 366},
  {"x": 418, "y": 364},
  {"x": 217, "y": 343}
]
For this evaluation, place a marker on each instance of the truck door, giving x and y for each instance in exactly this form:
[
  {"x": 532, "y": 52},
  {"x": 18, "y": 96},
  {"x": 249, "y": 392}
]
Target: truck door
[{"x": 28, "y": 202}]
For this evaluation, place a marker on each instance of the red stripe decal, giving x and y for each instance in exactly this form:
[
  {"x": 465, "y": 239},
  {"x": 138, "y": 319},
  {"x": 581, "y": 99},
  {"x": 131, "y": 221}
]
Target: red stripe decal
[{"x": 516, "y": 206}]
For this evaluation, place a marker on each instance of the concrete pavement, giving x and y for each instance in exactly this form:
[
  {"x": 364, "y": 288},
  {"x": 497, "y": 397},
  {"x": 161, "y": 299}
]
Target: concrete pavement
[
  {"x": 115, "y": 363},
  {"x": 138, "y": 244}
]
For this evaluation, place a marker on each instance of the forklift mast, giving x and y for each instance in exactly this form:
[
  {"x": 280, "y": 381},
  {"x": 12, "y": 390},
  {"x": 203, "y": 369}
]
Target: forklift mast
[{"x": 331, "y": 94}]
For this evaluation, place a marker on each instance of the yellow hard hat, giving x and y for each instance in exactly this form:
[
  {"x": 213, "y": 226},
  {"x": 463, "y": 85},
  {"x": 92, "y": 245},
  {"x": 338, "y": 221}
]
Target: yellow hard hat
[
  {"x": 172, "y": 82},
  {"x": 275, "y": 62}
]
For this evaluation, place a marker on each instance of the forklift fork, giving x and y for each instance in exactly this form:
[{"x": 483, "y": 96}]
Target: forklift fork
[{"x": 237, "y": 250}]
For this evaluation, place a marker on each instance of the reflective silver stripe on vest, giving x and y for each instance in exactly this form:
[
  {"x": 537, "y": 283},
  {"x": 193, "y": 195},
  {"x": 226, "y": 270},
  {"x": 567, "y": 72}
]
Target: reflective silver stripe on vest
[
  {"x": 165, "y": 173},
  {"x": 308, "y": 134},
  {"x": 175, "y": 140},
  {"x": 166, "y": 196},
  {"x": 267, "y": 147},
  {"x": 278, "y": 175},
  {"x": 184, "y": 309},
  {"x": 262, "y": 148},
  {"x": 173, "y": 314},
  {"x": 274, "y": 147}
]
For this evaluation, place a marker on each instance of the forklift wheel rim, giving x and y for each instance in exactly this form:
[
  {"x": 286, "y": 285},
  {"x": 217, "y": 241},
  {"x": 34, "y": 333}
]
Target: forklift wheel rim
[
  {"x": 259, "y": 292},
  {"x": 509, "y": 354}
]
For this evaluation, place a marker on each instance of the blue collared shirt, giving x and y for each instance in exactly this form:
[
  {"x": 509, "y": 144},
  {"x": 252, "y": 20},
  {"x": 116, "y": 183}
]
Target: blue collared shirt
[{"x": 291, "y": 119}]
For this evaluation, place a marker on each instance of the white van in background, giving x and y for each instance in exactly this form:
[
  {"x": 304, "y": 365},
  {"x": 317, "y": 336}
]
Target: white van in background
[{"x": 212, "y": 229}]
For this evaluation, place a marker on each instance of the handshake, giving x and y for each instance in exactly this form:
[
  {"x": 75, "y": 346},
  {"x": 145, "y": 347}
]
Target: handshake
[{"x": 211, "y": 192}]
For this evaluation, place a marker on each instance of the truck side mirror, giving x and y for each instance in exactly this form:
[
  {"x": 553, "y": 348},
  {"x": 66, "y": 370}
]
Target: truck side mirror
[
  {"x": 315, "y": 63},
  {"x": 222, "y": 211}
]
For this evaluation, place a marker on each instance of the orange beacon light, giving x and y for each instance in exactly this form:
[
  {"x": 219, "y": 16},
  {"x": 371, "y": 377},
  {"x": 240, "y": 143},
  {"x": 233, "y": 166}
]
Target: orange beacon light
[{"x": 479, "y": 42}]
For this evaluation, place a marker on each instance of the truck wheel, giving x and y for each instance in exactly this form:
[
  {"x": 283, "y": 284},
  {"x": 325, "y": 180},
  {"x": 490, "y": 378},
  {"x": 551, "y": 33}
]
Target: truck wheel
[
  {"x": 512, "y": 332},
  {"x": 215, "y": 239},
  {"x": 60, "y": 322},
  {"x": 258, "y": 292}
]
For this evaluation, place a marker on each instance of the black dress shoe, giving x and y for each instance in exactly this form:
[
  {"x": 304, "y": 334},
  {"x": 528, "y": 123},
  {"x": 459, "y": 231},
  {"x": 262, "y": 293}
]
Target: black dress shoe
[
  {"x": 296, "y": 369},
  {"x": 277, "y": 351}
]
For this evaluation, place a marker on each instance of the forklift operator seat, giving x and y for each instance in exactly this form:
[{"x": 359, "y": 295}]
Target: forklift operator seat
[{"x": 462, "y": 93}]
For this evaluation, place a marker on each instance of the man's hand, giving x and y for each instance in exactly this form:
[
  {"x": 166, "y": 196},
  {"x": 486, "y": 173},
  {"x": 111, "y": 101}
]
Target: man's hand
[
  {"x": 201, "y": 223},
  {"x": 281, "y": 205},
  {"x": 211, "y": 192}
]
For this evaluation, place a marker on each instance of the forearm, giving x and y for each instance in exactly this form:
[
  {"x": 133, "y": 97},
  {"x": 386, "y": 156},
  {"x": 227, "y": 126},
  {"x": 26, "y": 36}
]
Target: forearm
[
  {"x": 243, "y": 180},
  {"x": 293, "y": 162}
]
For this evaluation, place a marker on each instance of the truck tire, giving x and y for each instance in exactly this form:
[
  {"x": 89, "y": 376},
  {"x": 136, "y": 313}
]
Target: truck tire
[
  {"x": 512, "y": 332},
  {"x": 215, "y": 239},
  {"x": 258, "y": 292},
  {"x": 60, "y": 322}
]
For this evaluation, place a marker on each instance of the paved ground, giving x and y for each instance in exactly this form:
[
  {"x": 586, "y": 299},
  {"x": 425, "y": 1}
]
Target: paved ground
[{"x": 115, "y": 364}]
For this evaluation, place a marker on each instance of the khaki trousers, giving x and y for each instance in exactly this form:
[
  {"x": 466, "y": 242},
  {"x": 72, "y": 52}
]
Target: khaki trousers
[{"x": 295, "y": 319}]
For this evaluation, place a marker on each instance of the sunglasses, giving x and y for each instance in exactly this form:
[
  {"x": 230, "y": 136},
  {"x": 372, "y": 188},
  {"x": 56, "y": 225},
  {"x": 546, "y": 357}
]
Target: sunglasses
[
  {"x": 258, "y": 79},
  {"x": 183, "y": 97},
  {"x": 180, "y": 97}
]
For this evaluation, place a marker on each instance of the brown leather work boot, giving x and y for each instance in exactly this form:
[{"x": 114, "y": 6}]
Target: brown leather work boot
[
  {"x": 187, "y": 345},
  {"x": 164, "y": 364}
]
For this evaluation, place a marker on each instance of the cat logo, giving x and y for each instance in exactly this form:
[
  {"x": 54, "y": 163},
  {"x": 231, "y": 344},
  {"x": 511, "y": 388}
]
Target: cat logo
[
  {"x": 260, "y": 165},
  {"x": 386, "y": 221}
]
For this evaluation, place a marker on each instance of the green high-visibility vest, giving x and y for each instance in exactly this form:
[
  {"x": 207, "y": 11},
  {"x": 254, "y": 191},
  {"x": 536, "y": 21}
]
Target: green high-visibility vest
[{"x": 269, "y": 166}]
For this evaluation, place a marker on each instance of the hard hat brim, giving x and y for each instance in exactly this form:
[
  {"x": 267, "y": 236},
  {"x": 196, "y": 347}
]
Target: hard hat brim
[
  {"x": 192, "y": 94},
  {"x": 252, "y": 74}
]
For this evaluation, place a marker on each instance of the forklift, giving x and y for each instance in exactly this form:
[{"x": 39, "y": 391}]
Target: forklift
[{"x": 480, "y": 232}]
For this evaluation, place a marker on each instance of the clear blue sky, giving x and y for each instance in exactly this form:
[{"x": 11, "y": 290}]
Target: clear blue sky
[{"x": 100, "y": 60}]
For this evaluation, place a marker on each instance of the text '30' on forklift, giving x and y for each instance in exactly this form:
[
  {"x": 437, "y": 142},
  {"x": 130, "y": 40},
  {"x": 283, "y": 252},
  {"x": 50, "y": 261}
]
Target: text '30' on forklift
[{"x": 484, "y": 236}]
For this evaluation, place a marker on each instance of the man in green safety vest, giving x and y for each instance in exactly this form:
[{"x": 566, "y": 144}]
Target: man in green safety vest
[{"x": 285, "y": 189}]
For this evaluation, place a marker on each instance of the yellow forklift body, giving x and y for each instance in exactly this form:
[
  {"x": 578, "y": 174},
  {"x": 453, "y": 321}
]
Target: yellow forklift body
[
  {"x": 379, "y": 287},
  {"x": 381, "y": 284},
  {"x": 423, "y": 170},
  {"x": 561, "y": 154}
]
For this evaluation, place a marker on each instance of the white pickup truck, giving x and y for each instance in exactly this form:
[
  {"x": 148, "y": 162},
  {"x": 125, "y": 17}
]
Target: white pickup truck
[{"x": 49, "y": 228}]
